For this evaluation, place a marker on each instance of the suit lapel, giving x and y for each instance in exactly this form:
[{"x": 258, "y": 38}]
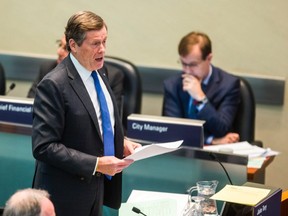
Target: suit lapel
[
  {"x": 212, "y": 85},
  {"x": 80, "y": 90}
]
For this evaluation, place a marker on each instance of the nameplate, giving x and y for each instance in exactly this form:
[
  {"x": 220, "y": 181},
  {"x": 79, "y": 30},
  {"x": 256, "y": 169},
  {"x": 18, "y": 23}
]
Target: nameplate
[
  {"x": 270, "y": 205},
  {"x": 15, "y": 111},
  {"x": 156, "y": 129}
]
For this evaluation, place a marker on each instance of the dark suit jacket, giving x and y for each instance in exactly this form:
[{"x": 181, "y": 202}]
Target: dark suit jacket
[
  {"x": 66, "y": 140},
  {"x": 45, "y": 68},
  {"x": 115, "y": 76},
  {"x": 223, "y": 93},
  {"x": 2, "y": 81}
]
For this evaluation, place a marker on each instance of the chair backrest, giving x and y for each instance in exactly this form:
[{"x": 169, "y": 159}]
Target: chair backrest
[
  {"x": 2, "y": 81},
  {"x": 244, "y": 123},
  {"x": 132, "y": 95},
  {"x": 284, "y": 203}
]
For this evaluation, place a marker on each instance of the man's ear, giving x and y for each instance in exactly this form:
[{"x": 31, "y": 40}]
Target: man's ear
[
  {"x": 73, "y": 45},
  {"x": 209, "y": 57}
]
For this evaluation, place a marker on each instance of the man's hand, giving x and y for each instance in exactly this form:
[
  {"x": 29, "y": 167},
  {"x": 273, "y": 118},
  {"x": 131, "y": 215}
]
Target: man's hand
[
  {"x": 129, "y": 147},
  {"x": 111, "y": 165},
  {"x": 193, "y": 86},
  {"x": 228, "y": 138}
]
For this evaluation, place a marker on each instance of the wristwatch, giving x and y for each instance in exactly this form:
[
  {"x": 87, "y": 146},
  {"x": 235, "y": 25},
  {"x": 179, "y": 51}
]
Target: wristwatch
[{"x": 203, "y": 101}]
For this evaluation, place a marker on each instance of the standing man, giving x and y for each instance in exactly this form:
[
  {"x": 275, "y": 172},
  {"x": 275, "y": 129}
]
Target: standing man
[
  {"x": 77, "y": 136},
  {"x": 203, "y": 91}
]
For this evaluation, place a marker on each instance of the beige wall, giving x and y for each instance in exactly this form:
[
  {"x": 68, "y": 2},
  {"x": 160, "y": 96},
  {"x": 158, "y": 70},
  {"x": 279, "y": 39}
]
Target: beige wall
[{"x": 248, "y": 37}]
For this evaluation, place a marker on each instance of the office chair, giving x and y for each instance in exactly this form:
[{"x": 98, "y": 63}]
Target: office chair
[
  {"x": 2, "y": 81},
  {"x": 284, "y": 203},
  {"x": 132, "y": 96},
  {"x": 244, "y": 123}
]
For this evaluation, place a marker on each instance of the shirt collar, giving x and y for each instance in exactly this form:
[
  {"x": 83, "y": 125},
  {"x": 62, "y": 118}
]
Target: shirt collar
[
  {"x": 83, "y": 72},
  {"x": 206, "y": 80}
]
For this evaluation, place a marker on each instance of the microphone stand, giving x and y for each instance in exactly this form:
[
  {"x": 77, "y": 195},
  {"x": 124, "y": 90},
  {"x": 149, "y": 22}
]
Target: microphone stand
[{"x": 213, "y": 156}]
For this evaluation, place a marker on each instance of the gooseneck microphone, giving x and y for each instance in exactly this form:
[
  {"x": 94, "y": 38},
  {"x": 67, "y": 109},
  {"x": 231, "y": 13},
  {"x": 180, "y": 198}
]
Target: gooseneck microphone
[
  {"x": 11, "y": 87},
  {"x": 213, "y": 156},
  {"x": 138, "y": 211}
]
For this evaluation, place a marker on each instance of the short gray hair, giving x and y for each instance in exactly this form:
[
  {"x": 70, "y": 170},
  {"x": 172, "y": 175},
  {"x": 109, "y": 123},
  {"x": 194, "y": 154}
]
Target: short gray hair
[{"x": 26, "y": 202}]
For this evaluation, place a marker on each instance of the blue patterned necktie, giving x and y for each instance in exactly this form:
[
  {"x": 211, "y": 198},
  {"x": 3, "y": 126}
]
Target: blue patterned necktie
[
  {"x": 192, "y": 110},
  {"x": 108, "y": 137}
]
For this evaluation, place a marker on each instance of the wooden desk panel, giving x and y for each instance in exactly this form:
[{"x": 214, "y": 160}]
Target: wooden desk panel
[{"x": 258, "y": 175}]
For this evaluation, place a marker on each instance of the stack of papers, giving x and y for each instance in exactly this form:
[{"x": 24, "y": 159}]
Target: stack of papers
[
  {"x": 154, "y": 203},
  {"x": 243, "y": 148},
  {"x": 256, "y": 154}
]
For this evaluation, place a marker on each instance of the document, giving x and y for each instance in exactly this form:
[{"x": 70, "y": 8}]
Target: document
[
  {"x": 256, "y": 162},
  {"x": 242, "y": 148},
  {"x": 151, "y": 150},
  {"x": 158, "y": 201},
  {"x": 241, "y": 194},
  {"x": 161, "y": 207}
]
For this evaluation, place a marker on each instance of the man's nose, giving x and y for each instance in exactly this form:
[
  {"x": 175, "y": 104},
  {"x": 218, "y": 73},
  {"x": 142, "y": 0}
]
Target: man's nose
[{"x": 188, "y": 70}]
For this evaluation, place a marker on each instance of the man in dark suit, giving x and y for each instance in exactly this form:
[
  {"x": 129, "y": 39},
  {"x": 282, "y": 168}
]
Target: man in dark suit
[
  {"x": 115, "y": 76},
  {"x": 69, "y": 126},
  {"x": 2, "y": 81},
  {"x": 48, "y": 66},
  {"x": 203, "y": 91}
]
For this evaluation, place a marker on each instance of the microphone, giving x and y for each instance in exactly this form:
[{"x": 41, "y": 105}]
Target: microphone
[
  {"x": 213, "y": 156},
  {"x": 138, "y": 211},
  {"x": 11, "y": 87}
]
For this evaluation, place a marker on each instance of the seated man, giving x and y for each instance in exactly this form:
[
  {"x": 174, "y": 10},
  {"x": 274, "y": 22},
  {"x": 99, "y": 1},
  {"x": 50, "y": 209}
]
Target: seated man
[
  {"x": 30, "y": 202},
  {"x": 115, "y": 76},
  {"x": 203, "y": 91},
  {"x": 49, "y": 65}
]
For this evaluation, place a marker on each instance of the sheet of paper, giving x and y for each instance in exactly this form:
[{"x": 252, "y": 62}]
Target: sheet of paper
[
  {"x": 161, "y": 207},
  {"x": 151, "y": 150},
  {"x": 144, "y": 196},
  {"x": 256, "y": 162},
  {"x": 241, "y": 194},
  {"x": 243, "y": 148}
]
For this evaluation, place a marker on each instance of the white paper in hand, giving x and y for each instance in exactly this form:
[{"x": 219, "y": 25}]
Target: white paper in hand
[{"x": 154, "y": 149}]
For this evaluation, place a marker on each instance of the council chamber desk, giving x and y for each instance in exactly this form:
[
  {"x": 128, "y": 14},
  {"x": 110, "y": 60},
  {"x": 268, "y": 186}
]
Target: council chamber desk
[{"x": 173, "y": 172}]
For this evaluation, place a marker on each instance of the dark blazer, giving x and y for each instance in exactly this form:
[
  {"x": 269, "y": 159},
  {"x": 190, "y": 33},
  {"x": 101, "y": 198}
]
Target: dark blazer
[
  {"x": 45, "y": 68},
  {"x": 223, "y": 93},
  {"x": 2, "y": 81},
  {"x": 115, "y": 76},
  {"x": 66, "y": 141}
]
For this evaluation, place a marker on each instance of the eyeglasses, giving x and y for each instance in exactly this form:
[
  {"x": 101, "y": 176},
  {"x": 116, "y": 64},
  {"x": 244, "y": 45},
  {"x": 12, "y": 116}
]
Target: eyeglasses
[{"x": 189, "y": 65}]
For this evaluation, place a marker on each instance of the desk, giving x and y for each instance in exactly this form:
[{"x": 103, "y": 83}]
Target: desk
[
  {"x": 258, "y": 175},
  {"x": 16, "y": 164},
  {"x": 171, "y": 172}
]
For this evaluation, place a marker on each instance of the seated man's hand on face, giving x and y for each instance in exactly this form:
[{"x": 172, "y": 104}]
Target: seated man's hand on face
[
  {"x": 193, "y": 86},
  {"x": 228, "y": 138}
]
